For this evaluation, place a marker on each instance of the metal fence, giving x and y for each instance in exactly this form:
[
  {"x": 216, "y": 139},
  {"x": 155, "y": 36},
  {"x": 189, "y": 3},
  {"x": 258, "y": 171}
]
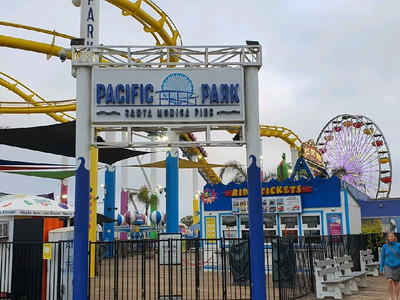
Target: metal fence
[
  {"x": 25, "y": 274},
  {"x": 172, "y": 268}
]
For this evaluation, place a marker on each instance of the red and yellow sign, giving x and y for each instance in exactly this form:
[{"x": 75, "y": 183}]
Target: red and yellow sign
[
  {"x": 310, "y": 152},
  {"x": 274, "y": 190}
]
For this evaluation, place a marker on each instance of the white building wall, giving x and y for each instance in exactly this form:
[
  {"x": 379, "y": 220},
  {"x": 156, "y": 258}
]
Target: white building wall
[{"x": 354, "y": 214}]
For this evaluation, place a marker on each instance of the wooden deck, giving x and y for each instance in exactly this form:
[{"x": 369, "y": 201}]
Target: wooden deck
[{"x": 376, "y": 290}]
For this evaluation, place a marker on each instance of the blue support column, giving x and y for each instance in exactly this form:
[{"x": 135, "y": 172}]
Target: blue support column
[
  {"x": 89, "y": 31},
  {"x": 109, "y": 207},
  {"x": 256, "y": 235},
  {"x": 172, "y": 193},
  {"x": 81, "y": 229}
]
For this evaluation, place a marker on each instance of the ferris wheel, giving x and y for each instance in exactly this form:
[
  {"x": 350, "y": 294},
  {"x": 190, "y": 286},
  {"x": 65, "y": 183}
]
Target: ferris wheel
[{"x": 354, "y": 149}]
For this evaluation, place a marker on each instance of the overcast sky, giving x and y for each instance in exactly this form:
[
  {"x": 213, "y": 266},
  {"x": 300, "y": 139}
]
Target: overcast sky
[{"x": 320, "y": 59}]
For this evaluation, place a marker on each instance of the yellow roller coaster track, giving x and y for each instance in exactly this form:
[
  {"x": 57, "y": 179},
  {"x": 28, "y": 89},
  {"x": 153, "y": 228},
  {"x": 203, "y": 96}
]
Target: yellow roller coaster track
[
  {"x": 282, "y": 133},
  {"x": 164, "y": 32},
  {"x": 33, "y": 102}
]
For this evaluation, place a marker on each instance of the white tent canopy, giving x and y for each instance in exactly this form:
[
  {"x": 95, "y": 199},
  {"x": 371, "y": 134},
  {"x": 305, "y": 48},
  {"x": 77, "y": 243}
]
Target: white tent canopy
[{"x": 30, "y": 205}]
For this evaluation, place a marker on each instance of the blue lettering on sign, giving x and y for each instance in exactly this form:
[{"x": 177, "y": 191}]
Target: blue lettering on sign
[
  {"x": 220, "y": 94},
  {"x": 124, "y": 93},
  {"x": 142, "y": 94}
]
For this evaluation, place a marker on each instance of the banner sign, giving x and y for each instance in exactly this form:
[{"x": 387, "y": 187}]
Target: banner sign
[
  {"x": 334, "y": 224},
  {"x": 170, "y": 251},
  {"x": 288, "y": 204},
  {"x": 167, "y": 96},
  {"x": 282, "y": 204}
]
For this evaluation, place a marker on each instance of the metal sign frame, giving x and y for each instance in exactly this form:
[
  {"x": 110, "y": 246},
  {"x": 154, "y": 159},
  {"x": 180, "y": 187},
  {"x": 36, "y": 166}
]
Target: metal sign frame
[{"x": 174, "y": 58}]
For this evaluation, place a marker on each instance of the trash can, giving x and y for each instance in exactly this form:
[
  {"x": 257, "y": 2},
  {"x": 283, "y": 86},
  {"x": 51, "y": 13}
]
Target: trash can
[{"x": 239, "y": 261}]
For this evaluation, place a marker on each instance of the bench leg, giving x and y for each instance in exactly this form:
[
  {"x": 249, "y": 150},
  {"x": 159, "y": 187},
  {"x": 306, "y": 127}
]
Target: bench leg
[
  {"x": 362, "y": 281},
  {"x": 331, "y": 290},
  {"x": 346, "y": 287},
  {"x": 373, "y": 271},
  {"x": 353, "y": 285}
]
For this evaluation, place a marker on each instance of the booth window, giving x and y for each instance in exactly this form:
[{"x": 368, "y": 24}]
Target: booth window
[
  {"x": 3, "y": 230},
  {"x": 289, "y": 225},
  {"x": 269, "y": 221},
  {"x": 244, "y": 226},
  {"x": 311, "y": 225},
  {"x": 229, "y": 226}
]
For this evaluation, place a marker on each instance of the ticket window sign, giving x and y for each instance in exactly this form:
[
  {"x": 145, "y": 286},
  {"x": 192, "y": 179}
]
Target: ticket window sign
[
  {"x": 287, "y": 204},
  {"x": 240, "y": 206},
  {"x": 211, "y": 230},
  {"x": 282, "y": 204},
  {"x": 170, "y": 251}
]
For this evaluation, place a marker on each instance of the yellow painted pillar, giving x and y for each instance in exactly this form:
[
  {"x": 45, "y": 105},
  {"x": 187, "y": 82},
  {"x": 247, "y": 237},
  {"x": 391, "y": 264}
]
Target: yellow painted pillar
[
  {"x": 196, "y": 209},
  {"x": 94, "y": 154}
]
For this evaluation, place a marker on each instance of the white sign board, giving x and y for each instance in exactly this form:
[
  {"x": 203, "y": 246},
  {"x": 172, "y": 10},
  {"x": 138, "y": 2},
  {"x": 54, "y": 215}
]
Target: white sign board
[
  {"x": 279, "y": 204},
  {"x": 170, "y": 251},
  {"x": 282, "y": 204},
  {"x": 167, "y": 96}
]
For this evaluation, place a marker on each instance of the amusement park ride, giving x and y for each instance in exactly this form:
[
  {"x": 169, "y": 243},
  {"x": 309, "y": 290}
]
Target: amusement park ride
[{"x": 353, "y": 147}]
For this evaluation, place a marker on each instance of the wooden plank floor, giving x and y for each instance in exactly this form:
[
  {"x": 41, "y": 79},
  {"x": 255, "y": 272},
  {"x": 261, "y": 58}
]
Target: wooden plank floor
[{"x": 376, "y": 290}]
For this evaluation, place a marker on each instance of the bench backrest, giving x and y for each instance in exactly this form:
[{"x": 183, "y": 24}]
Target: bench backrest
[
  {"x": 344, "y": 264},
  {"x": 366, "y": 256},
  {"x": 326, "y": 269}
]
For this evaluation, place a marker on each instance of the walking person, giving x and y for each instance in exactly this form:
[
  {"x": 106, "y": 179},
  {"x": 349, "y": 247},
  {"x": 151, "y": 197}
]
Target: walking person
[{"x": 390, "y": 264}]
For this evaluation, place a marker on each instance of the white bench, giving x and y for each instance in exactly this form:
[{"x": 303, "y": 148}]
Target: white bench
[
  {"x": 368, "y": 264},
  {"x": 345, "y": 265},
  {"x": 328, "y": 281}
]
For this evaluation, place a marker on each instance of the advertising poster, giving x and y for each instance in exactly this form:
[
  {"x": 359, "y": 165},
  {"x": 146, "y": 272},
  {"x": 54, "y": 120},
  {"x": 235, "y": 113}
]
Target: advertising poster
[
  {"x": 211, "y": 231},
  {"x": 287, "y": 204},
  {"x": 239, "y": 206},
  {"x": 335, "y": 224},
  {"x": 391, "y": 224}
]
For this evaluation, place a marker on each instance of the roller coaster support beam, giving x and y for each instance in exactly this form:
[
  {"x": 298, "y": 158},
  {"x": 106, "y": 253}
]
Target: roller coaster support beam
[
  {"x": 256, "y": 235},
  {"x": 89, "y": 31}
]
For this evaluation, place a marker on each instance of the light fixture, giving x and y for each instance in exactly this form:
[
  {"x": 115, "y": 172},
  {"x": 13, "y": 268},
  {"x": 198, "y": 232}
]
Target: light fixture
[
  {"x": 104, "y": 188},
  {"x": 252, "y": 43},
  {"x": 77, "y": 42},
  {"x": 380, "y": 205},
  {"x": 333, "y": 209},
  {"x": 64, "y": 196}
]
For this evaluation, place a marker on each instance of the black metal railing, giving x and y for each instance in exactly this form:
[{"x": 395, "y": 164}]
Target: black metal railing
[
  {"x": 172, "y": 268},
  {"x": 36, "y": 270}
]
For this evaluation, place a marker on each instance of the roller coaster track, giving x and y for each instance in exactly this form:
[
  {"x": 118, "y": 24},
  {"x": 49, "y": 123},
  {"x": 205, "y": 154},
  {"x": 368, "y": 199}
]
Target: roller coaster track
[
  {"x": 34, "y": 103},
  {"x": 163, "y": 31},
  {"x": 282, "y": 133}
]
